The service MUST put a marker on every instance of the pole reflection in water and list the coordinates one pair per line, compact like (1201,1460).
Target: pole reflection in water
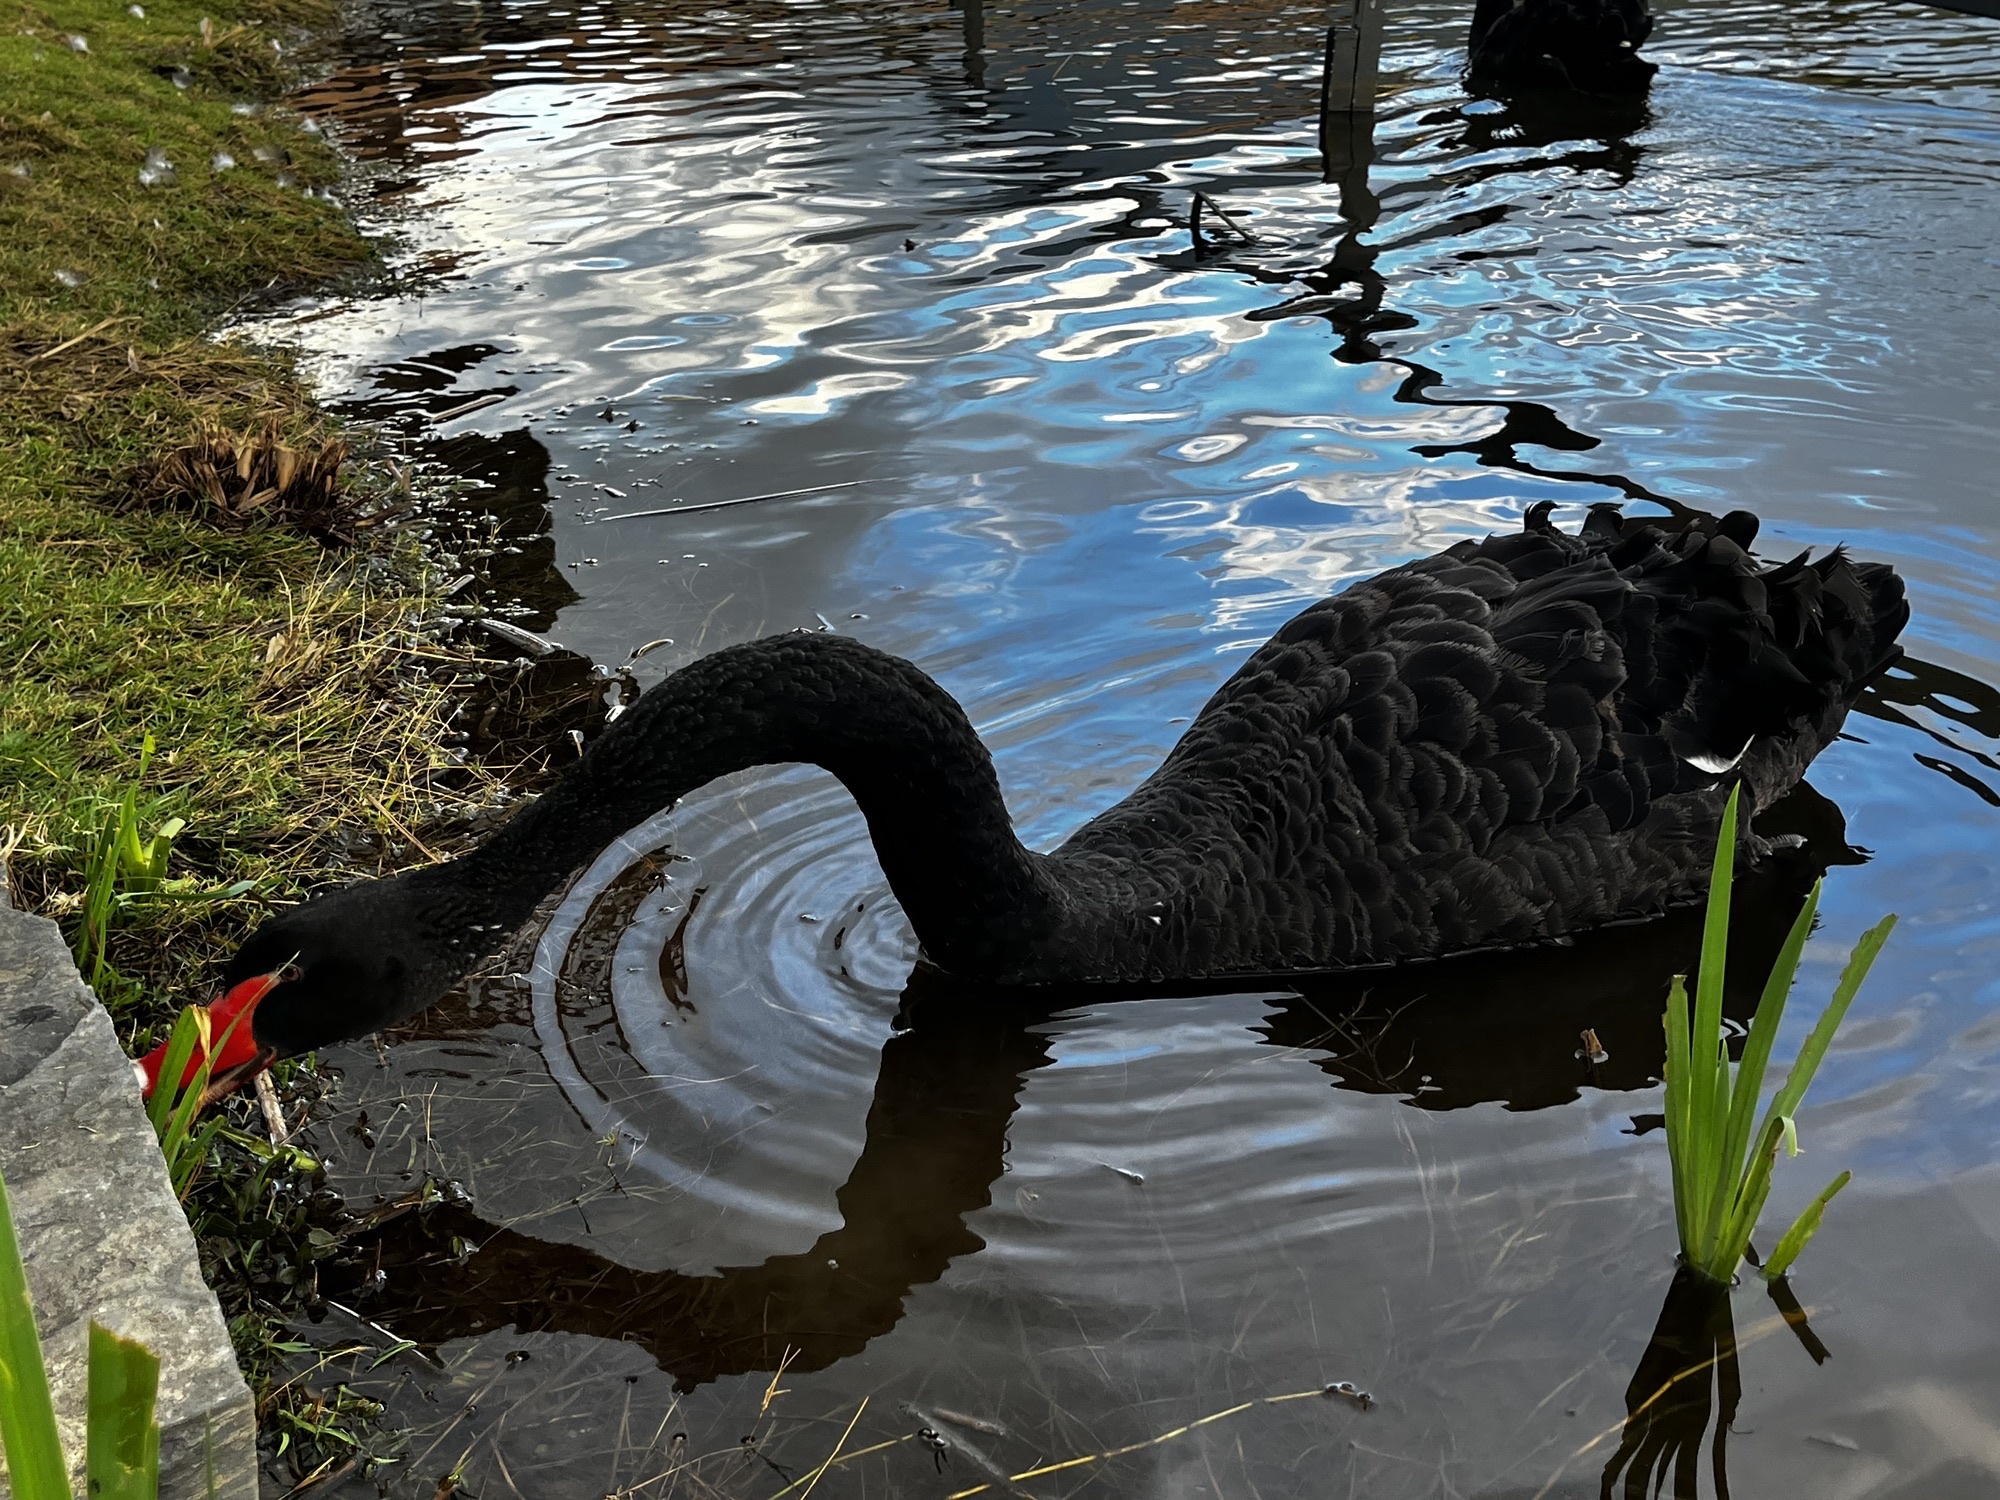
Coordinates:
(972,13)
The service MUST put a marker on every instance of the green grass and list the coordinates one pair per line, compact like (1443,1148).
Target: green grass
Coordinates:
(163,259)
(279,680)
(1721,1168)
(175,1106)
(122,1439)
(274,675)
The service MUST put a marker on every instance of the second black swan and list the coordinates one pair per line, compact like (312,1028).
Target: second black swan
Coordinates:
(1511,742)
(1567,46)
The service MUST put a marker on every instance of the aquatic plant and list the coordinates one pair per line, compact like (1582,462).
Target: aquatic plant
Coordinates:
(1721,1169)
(122,1439)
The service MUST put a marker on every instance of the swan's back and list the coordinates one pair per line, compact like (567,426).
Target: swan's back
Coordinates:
(1508,742)
(1587,46)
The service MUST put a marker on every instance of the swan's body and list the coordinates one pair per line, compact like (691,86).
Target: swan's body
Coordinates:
(1580,46)
(1507,743)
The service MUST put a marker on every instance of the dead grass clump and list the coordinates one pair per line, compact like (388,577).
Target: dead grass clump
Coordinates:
(258,478)
(238,59)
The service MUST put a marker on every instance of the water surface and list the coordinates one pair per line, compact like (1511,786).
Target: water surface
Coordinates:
(1076,466)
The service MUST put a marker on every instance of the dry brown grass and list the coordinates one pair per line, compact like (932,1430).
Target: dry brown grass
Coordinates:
(259,478)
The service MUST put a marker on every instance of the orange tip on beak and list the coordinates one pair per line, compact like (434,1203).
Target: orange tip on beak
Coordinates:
(234,1045)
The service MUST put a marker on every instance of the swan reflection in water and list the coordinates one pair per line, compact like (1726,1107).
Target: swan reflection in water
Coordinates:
(1505,1028)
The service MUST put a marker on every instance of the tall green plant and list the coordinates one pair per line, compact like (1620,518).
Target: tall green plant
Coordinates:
(122,1439)
(1721,1169)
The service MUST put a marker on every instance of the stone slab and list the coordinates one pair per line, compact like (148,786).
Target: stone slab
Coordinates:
(101,1231)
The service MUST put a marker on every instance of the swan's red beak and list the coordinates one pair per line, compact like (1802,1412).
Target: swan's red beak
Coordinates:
(236,1054)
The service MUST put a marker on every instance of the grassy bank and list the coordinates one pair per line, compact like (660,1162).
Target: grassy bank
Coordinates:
(148,187)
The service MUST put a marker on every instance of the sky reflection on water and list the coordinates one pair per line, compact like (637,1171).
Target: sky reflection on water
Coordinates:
(707,253)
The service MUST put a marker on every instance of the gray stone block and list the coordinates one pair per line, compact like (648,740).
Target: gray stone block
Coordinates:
(100,1229)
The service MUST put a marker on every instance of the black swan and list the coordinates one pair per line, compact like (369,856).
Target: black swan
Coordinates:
(1511,742)
(1576,46)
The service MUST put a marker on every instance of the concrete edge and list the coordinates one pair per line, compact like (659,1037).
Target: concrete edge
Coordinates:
(101,1232)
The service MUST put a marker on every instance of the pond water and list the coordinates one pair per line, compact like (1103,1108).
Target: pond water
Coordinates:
(937,270)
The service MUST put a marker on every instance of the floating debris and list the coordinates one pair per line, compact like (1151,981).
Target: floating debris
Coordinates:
(670,510)
(975,1424)
(1125,1172)
(1592,1051)
(1347,1390)
(158,171)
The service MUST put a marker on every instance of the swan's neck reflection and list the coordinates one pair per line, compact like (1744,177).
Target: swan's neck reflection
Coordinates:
(936,1142)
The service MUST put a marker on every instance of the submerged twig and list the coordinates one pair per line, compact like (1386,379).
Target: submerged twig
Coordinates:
(1201,201)
(685,510)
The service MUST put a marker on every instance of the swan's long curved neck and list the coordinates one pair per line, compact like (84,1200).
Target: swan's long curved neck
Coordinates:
(898,742)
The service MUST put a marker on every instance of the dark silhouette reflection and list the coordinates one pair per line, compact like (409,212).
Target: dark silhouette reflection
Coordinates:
(1687,1382)
(1957,699)
(1598,132)
(1688,1386)
(936,1139)
(1349,292)
(972,14)
(1501,1028)
(499,515)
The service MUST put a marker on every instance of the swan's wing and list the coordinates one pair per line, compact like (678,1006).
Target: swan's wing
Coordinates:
(1514,739)
(1690,660)
(1534,676)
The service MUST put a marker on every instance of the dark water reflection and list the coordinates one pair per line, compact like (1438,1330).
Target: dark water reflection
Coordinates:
(685,253)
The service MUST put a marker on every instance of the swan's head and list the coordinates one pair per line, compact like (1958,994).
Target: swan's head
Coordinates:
(339,966)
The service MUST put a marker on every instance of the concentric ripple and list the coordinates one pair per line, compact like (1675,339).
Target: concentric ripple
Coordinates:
(713,993)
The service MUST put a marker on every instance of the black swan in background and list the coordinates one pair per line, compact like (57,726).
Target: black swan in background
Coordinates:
(1511,742)
(1579,46)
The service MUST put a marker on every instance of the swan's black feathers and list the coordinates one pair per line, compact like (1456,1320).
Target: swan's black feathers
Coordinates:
(1583,46)
(1507,743)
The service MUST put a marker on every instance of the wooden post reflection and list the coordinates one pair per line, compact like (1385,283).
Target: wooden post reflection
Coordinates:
(972,13)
